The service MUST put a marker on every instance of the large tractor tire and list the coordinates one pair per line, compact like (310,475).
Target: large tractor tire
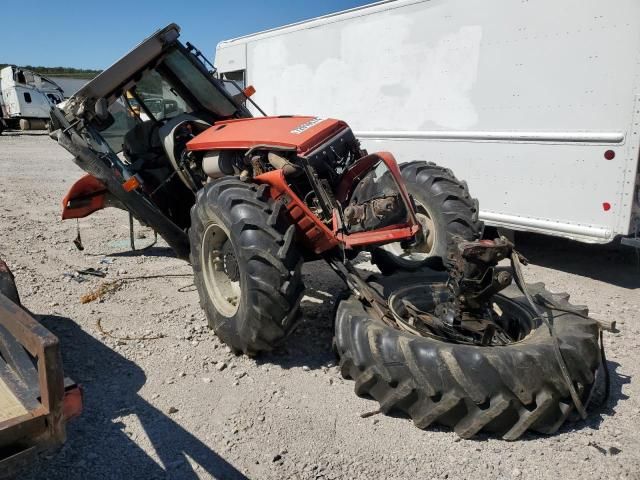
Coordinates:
(507,389)
(444,206)
(246,265)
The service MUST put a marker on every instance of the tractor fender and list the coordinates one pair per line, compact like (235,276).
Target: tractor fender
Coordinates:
(86,195)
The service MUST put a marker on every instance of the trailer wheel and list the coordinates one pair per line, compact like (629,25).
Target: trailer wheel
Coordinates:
(8,284)
(505,389)
(443,206)
(246,265)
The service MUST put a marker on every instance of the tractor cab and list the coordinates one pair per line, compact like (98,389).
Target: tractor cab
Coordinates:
(141,111)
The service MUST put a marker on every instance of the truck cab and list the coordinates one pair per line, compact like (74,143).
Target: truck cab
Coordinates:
(27,98)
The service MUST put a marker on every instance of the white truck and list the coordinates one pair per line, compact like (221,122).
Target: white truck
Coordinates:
(26,99)
(535,103)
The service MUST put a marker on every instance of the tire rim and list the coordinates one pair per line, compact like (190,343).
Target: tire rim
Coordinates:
(511,316)
(223,290)
(423,250)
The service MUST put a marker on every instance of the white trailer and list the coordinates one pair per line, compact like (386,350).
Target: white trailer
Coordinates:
(535,103)
(26,98)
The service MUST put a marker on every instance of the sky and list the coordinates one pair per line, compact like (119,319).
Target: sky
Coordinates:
(93,34)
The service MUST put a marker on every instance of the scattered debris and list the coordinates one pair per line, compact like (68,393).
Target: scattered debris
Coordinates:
(597,447)
(101,291)
(93,271)
(614,450)
(611,450)
(144,337)
(370,414)
(75,276)
(187,288)
(78,240)
(172,410)
(114,285)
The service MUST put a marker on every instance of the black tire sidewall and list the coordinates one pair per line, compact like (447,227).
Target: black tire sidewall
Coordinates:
(268,261)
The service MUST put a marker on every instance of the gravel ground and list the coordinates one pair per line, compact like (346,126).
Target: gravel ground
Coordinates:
(182,406)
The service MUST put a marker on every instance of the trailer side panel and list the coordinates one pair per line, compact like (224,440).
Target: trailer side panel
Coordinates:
(525,100)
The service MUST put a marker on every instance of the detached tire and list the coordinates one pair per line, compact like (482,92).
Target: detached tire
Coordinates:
(444,205)
(505,389)
(246,265)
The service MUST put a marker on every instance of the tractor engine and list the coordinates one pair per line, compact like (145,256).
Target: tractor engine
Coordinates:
(319,160)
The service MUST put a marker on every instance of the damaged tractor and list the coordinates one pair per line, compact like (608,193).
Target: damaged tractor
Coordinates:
(446,334)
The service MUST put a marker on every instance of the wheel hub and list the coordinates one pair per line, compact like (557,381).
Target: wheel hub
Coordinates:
(467,308)
(230,262)
(428,227)
(220,270)
(424,249)
(473,276)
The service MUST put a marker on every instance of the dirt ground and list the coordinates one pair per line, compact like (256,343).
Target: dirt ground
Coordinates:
(182,406)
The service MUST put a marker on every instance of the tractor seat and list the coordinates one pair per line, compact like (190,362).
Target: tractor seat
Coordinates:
(143,148)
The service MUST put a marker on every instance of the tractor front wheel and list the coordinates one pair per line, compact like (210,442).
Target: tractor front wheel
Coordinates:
(246,265)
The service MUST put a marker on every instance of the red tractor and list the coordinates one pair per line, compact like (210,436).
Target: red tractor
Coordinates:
(247,200)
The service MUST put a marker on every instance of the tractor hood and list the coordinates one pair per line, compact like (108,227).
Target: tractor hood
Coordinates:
(302,134)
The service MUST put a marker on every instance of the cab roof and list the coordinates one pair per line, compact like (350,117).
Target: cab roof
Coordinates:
(122,71)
